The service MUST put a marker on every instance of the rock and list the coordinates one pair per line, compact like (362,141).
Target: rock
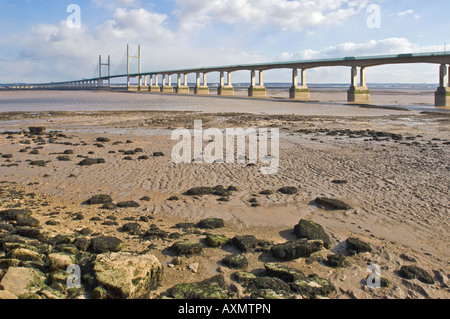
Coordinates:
(63,158)
(337,261)
(109,206)
(269,288)
(155,232)
(105,244)
(332,204)
(103,139)
(356,246)
(23,254)
(91,161)
(285,273)
(6,295)
(19,280)
(128,204)
(173,198)
(246,243)
(290,190)
(37,130)
(37,163)
(27,221)
(310,230)
(296,249)
(211,223)
(312,287)
(30,232)
(235,261)
(213,288)
(158,154)
(82,243)
(194,267)
(415,272)
(14,214)
(99,199)
(131,227)
(187,248)
(126,275)
(244,277)
(214,241)
(266,192)
(59,261)
(200,191)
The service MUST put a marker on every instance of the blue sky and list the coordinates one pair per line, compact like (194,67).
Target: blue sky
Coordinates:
(37,44)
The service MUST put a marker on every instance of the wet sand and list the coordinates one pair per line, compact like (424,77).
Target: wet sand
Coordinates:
(398,189)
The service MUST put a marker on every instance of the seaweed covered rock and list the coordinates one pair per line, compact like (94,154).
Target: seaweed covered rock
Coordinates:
(331,204)
(296,249)
(128,204)
(337,261)
(99,199)
(356,246)
(187,248)
(214,240)
(310,230)
(105,244)
(249,243)
(126,275)
(91,161)
(211,223)
(288,190)
(415,272)
(283,272)
(14,214)
(37,130)
(269,288)
(235,261)
(213,288)
(200,191)
(312,287)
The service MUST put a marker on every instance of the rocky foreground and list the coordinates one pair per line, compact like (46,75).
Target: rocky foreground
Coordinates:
(106,245)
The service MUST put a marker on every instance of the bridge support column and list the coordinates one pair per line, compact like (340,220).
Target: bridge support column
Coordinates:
(154,87)
(358,94)
(442,95)
(225,90)
(297,92)
(167,88)
(254,90)
(202,89)
(182,89)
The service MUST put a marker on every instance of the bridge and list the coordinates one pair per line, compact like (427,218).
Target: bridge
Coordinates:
(358,91)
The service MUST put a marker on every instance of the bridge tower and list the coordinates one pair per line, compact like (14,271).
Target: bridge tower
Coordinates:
(138,57)
(100,65)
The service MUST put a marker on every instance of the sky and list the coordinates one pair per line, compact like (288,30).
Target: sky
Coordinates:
(43,41)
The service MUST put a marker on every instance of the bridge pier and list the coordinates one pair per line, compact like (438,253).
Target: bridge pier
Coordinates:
(182,88)
(297,92)
(167,88)
(154,87)
(358,94)
(225,90)
(201,89)
(254,90)
(442,95)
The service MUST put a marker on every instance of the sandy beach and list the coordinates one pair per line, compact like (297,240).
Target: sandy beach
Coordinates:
(390,165)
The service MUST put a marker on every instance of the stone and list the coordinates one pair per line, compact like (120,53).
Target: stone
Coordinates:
(244,277)
(158,154)
(356,246)
(337,261)
(235,261)
(289,190)
(296,249)
(312,287)
(30,232)
(59,261)
(247,243)
(283,272)
(200,191)
(6,295)
(215,241)
(266,192)
(415,272)
(27,221)
(126,275)
(103,139)
(99,199)
(19,280)
(128,204)
(91,161)
(187,248)
(37,163)
(23,254)
(37,130)
(82,243)
(106,244)
(211,223)
(14,214)
(194,267)
(213,288)
(310,230)
(269,288)
(331,204)
(131,227)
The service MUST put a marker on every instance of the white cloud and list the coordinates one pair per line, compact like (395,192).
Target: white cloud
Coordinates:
(112,4)
(281,14)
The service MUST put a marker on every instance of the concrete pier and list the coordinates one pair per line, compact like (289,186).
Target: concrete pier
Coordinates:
(167,86)
(297,92)
(182,88)
(257,90)
(358,94)
(442,95)
(154,87)
(201,89)
(225,90)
